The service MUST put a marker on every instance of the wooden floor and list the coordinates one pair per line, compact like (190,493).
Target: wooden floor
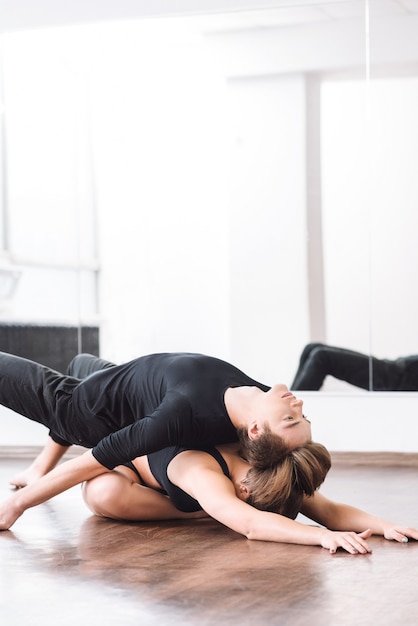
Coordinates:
(59,565)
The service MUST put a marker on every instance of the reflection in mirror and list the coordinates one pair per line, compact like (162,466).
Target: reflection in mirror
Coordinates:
(394,187)
(369,147)
(199,184)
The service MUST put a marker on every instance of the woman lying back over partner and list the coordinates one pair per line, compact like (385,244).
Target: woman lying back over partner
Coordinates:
(253,489)
(121,412)
(153,402)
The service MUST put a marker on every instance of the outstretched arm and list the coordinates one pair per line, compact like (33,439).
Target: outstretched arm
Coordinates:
(216,495)
(342,517)
(63,477)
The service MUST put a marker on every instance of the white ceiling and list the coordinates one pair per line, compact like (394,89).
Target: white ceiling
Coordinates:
(220,15)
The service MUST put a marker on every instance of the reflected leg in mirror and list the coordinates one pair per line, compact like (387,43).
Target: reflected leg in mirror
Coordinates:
(319,361)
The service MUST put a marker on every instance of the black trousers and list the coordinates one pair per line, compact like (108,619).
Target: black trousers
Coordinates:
(367,372)
(45,395)
(83,365)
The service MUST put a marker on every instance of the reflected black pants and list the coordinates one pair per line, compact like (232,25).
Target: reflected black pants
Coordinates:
(319,360)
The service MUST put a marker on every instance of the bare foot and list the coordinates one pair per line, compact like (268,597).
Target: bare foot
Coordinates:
(28,476)
(44,462)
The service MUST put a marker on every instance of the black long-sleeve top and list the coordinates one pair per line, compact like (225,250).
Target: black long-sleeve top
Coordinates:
(154,402)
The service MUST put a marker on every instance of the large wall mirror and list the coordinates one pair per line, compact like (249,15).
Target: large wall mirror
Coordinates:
(236,183)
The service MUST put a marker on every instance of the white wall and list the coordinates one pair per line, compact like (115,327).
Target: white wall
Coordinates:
(369,213)
(268,232)
(180,234)
(162,199)
(364,421)
(361,422)
(208,227)
(20,431)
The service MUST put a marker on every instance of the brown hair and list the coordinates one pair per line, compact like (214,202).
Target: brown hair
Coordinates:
(280,478)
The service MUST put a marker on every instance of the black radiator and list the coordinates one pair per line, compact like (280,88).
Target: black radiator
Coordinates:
(51,345)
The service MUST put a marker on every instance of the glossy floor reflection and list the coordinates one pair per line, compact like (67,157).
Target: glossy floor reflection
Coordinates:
(60,565)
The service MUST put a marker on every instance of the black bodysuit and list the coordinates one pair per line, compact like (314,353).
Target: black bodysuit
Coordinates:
(128,410)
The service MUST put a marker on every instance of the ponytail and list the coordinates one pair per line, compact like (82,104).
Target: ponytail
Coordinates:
(279,479)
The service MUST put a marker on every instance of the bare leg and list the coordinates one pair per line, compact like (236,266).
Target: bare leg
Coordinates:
(44,462)
(117,496)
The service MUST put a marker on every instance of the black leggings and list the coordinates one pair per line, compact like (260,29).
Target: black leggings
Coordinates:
(41,394)
(33,390)
(367,372)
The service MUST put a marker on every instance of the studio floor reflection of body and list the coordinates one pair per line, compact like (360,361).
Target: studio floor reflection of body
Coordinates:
(60,564)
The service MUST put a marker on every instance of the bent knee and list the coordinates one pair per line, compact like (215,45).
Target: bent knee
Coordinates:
(319,352)
(102,493)
(74,365)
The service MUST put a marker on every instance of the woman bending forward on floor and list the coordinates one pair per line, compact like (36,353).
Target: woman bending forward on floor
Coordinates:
(178,483)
